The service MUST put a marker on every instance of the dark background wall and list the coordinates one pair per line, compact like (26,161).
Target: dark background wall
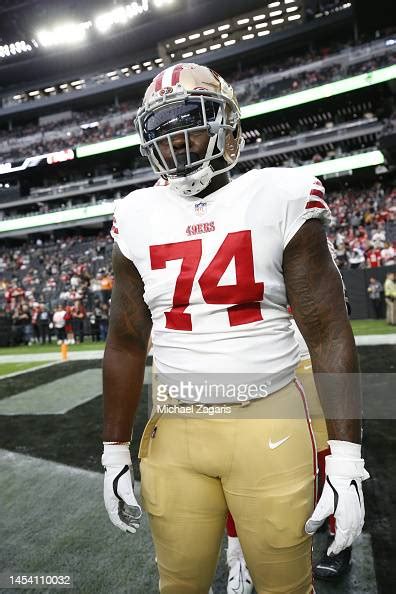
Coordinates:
(356,283)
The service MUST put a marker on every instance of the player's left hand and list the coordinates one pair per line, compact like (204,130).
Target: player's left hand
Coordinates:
(119,497)
(342,495)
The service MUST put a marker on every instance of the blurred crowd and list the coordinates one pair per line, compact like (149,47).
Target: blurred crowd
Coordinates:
(56,291)
(363,229)
(60,290)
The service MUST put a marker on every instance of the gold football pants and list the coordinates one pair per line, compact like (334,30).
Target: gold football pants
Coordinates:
(305,376)
(260,465)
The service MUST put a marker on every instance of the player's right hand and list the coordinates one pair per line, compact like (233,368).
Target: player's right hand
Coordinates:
(119,498)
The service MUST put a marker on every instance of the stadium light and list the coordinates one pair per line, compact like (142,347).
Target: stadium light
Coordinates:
(369,159)
(120,15)
(18,47)
(107,145)
(65,34)
(57,218)
(161,3)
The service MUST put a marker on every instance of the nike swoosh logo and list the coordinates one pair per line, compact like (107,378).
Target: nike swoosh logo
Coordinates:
(276,444)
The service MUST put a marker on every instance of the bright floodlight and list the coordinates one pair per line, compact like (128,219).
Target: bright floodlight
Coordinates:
(161,3)
(120,15)
(68,33)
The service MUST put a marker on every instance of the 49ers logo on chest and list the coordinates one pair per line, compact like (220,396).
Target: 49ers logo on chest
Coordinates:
(200,228)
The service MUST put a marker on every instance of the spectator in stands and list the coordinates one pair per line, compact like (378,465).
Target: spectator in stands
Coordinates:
(58,319)
(78,316)
(26,317)
(106,286)
(374,291)
(43,322)
(355,258)
(378,237)
(388,255)
(35,326)
(373,257)
(390,298)
(69,325)
(94,320)
(94,289)
(104,321)
(20,323)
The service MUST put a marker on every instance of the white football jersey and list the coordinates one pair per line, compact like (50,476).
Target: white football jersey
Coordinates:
(302,345)
(212,271)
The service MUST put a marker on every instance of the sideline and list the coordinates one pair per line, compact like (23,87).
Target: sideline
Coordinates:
(363,340)
(15,373)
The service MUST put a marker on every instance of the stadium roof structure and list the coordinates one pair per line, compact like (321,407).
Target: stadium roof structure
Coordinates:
(21,22)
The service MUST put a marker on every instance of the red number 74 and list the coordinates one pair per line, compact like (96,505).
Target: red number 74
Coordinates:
(246,294)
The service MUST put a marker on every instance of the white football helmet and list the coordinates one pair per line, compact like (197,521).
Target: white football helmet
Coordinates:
(186,99)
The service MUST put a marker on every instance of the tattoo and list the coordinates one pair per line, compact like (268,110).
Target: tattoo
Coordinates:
(316,296)
(126,347)
(130,319)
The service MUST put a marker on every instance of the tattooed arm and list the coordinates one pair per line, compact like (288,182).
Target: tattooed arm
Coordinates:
(126,349)
(315,293)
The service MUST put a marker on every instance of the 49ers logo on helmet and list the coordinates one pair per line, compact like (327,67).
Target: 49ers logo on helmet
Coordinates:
(166,91)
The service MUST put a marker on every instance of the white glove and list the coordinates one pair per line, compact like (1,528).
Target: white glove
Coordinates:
(120,501)
(342,495)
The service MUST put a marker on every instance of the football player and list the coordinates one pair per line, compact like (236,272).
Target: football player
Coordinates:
(209,264)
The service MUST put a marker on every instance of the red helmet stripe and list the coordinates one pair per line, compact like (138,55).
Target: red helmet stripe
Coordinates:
(158,81)
(176,74)
(315,204)
(317,192)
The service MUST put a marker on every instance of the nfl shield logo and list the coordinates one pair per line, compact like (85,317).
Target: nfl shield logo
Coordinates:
(200,208)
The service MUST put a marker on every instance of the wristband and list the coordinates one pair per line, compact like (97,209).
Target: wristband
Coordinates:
(116,455)
(345,449)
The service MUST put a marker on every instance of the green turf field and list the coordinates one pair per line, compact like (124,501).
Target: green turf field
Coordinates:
(364,327)
(360,327)
(51,348)
(6,368)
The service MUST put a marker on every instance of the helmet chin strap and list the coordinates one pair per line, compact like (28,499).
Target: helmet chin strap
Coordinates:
(193,183)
